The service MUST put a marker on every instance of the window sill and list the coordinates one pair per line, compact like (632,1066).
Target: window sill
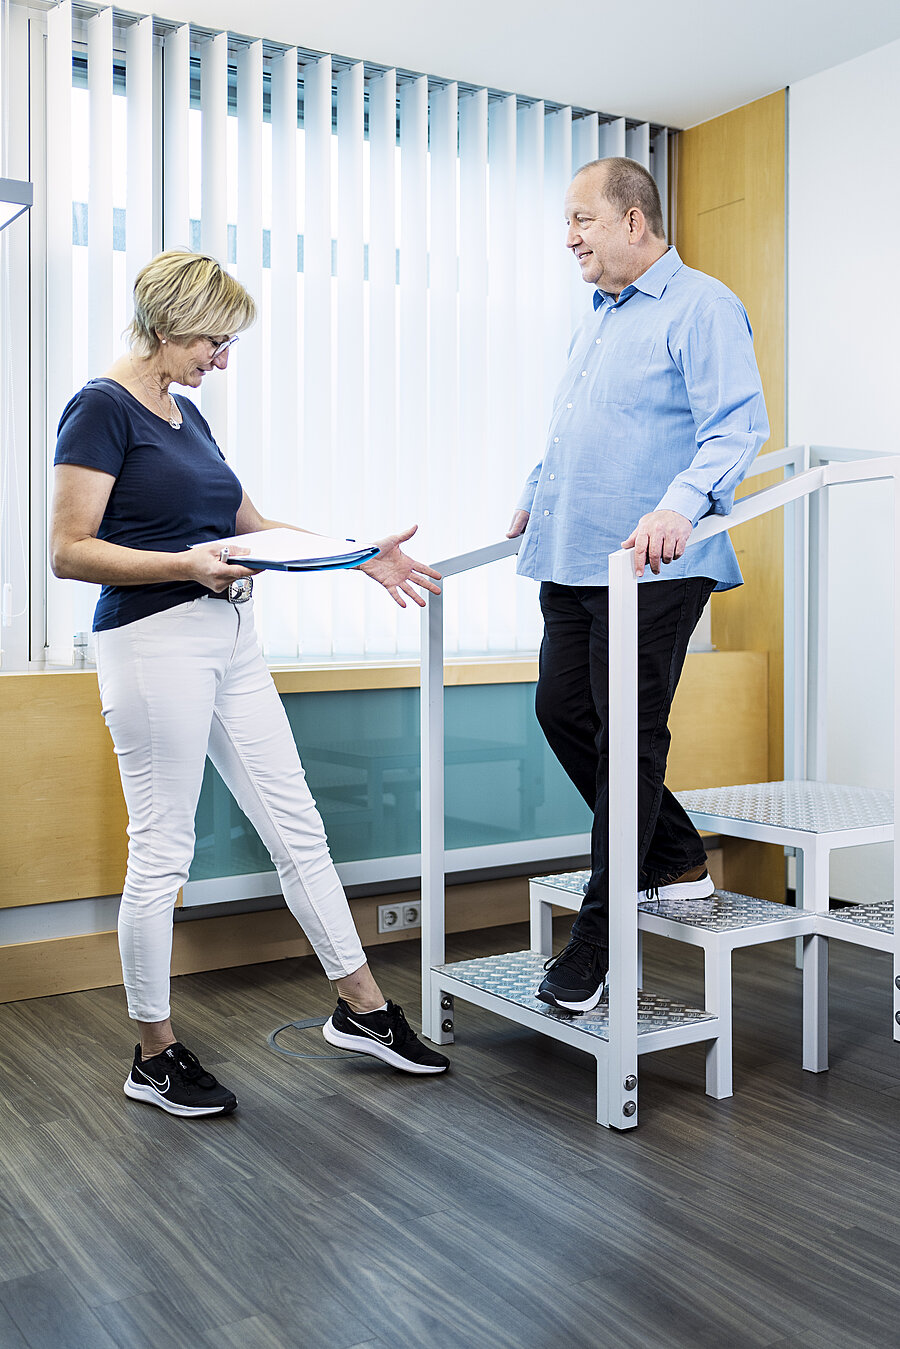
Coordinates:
(336,675)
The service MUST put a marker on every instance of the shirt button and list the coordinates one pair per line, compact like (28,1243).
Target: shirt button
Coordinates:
(546,512)
(556,440)
(568,405)
(552,476)
(599,340)
(583,373)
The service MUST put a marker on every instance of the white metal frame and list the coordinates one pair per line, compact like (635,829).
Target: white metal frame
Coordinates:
(718,945)
(805,742)
(617,1056)
(813,851)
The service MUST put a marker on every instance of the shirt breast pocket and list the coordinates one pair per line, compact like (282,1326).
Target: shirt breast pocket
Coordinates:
(620,376)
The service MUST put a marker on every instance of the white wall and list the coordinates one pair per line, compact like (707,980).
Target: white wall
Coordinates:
(843,362)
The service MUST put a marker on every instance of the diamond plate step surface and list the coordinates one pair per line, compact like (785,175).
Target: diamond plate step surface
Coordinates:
(573,881)
(878,916)
(724,911)
(814,807)
(515,977)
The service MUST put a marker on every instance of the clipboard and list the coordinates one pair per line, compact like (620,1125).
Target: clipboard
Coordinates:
(293,550)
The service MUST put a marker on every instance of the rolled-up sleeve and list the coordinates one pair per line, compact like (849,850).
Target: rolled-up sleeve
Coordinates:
(526,499)
(715,355)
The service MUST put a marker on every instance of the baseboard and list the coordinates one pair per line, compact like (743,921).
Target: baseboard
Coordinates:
(73,964)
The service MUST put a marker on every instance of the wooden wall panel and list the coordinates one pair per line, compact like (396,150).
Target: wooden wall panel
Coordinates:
(730,222)
(719,721)
(64,816)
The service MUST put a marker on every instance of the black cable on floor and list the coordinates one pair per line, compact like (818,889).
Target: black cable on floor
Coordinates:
(272,1042)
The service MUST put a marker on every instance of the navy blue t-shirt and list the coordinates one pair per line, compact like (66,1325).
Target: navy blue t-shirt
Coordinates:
(172,489)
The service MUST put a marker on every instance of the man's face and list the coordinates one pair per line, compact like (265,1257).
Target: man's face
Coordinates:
(597,235)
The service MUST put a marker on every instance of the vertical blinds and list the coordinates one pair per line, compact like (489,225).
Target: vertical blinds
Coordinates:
(404,240)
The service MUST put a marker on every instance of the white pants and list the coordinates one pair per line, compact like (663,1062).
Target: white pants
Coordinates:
(175,687)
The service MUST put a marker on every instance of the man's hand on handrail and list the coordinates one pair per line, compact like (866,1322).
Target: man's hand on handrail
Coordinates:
(658,537)
(517,524)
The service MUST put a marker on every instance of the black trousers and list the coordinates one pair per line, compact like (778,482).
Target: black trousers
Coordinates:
(572,705)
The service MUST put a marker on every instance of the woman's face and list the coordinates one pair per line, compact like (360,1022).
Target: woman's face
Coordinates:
(186,361)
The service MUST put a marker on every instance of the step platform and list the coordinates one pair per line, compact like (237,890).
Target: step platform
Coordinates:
(801,805)
(813,818)
(869,925)
(749,920)
(515,977)
(506,985)
(719,926)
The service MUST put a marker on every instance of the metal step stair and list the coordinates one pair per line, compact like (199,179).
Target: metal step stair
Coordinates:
(718,925)
(506,985)
(781,808)
(813,818)
(809,815)
(869,925)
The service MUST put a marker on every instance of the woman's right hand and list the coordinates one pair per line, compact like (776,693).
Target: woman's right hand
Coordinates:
(204,564)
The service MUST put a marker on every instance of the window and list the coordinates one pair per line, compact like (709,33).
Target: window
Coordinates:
(403,237)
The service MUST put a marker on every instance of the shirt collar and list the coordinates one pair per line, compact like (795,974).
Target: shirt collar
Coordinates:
(652,282)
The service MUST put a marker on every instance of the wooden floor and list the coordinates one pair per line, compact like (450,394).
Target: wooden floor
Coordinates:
(348,1205)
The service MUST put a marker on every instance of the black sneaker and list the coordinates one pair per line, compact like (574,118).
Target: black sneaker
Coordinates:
(386,1035)
(576,978)
(177,1082)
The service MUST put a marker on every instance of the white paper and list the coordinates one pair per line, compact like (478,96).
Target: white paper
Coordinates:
(290,545)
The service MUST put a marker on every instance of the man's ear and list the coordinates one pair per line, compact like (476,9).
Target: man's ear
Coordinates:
(637,225)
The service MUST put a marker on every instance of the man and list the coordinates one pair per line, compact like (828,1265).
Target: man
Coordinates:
(658,416)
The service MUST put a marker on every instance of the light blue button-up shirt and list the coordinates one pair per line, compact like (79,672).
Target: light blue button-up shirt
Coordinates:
(660,408)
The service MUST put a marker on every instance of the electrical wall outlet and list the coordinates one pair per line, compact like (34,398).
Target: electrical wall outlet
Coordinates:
(391,917)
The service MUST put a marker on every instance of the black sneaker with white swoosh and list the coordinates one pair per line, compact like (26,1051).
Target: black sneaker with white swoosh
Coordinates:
(386,1035)
(177,1082)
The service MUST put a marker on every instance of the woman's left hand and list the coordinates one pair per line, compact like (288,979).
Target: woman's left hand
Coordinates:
(398,573)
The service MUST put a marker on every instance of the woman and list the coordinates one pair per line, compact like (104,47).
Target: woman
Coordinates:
(141,489)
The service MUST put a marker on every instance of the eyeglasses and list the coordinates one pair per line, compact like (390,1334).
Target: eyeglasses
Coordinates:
(221,346)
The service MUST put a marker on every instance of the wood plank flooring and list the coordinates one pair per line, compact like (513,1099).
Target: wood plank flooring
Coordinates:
(345,1206)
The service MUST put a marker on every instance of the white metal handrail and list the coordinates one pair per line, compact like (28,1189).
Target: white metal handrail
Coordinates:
(431,730)
(623,880)
(622,1055)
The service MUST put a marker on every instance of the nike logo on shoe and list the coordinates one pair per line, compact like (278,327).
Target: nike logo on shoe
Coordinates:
(385,1039)
(160,1086)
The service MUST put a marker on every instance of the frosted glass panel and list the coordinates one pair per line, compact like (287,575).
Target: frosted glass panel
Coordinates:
(361,754)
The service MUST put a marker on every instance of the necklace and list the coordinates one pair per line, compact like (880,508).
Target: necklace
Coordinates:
(171,412)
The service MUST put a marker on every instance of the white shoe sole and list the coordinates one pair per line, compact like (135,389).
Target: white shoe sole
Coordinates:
(137,1092)
(702,889)
(359,1044)
(588,1006)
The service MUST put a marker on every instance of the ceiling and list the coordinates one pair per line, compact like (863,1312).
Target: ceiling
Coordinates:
(653,60)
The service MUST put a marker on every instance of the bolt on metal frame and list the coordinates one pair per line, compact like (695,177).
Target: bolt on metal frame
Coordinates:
(615,1044)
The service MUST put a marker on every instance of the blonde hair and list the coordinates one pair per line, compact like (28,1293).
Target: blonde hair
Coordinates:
(181,295)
